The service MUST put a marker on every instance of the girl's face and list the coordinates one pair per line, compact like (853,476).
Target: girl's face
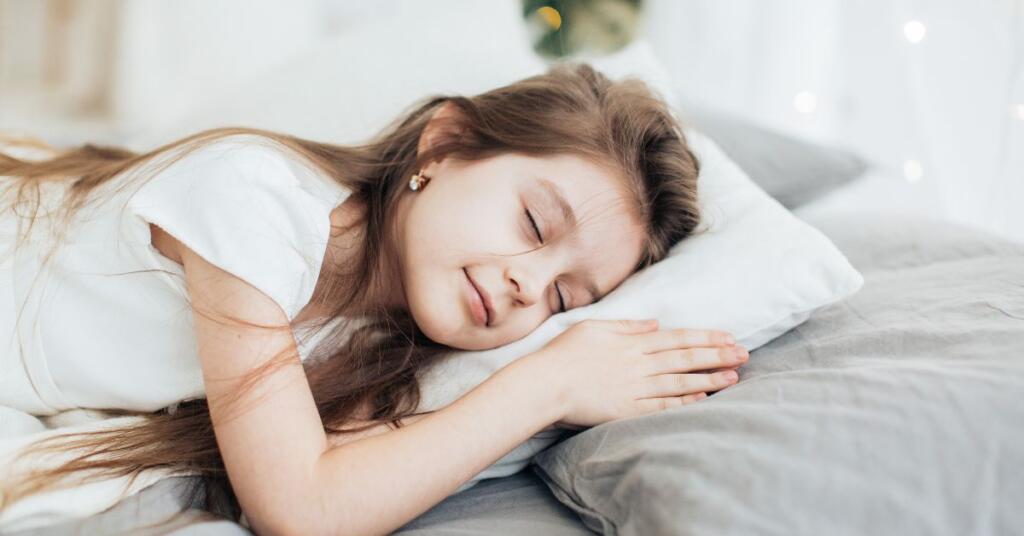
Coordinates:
(471,226)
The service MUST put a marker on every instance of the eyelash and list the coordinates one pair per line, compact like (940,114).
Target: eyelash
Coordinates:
(561,302)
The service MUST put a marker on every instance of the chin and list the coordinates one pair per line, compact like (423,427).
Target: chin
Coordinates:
(450,331)
(438,325)
(451,326)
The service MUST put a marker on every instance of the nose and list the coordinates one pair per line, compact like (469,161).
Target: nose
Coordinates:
(527,288)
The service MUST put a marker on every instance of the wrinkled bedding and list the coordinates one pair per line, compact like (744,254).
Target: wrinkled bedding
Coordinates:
(894,411)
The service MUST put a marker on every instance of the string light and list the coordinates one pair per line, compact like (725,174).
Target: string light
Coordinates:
(914,31)
(805,102)
(912,170)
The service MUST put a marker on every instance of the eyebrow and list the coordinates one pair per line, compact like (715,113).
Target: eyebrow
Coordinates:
(555,192)
(569,219)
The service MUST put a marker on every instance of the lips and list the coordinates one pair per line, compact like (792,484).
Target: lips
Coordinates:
(484,301)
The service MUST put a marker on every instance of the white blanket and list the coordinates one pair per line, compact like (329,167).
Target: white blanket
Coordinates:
(17,429)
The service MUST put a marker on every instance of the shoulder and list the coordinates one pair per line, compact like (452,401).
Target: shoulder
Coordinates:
(237,203)
(247,157)
(236,185)
(218,288)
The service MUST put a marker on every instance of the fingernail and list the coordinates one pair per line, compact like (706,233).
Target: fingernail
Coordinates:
(730,375)
(742,353)
(729,339)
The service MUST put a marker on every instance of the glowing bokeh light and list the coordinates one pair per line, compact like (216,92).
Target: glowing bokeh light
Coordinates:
(914,31)
(805,102)
(913,170)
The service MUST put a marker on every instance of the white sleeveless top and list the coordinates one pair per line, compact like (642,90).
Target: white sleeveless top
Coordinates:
(106,323)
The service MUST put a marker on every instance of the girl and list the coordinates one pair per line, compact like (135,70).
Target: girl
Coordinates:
(266,301)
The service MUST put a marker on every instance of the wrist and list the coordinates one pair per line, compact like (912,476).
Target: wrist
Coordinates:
(541,383)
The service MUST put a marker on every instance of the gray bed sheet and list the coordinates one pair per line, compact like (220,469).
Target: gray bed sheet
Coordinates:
(892,309)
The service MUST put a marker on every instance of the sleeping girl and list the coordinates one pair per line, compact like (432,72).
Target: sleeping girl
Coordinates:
(185,285)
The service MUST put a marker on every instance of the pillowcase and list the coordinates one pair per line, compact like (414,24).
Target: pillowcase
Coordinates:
(896,411)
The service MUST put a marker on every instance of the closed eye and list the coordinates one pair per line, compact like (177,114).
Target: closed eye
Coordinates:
(561,302)
(534,224)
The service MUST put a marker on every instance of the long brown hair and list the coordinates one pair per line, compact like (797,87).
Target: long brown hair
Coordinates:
(571,109)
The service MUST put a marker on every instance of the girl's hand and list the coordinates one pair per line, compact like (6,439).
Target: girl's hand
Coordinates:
(614,369)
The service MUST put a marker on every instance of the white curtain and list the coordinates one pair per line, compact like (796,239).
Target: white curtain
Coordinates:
(931,90)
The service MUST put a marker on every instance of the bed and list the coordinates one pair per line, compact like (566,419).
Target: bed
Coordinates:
(894,410)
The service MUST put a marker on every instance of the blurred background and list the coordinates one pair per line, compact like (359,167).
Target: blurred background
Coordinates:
(929,92)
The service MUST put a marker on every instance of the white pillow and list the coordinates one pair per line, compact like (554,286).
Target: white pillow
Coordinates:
(755,270)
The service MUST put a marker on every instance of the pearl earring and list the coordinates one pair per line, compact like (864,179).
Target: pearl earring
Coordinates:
(418,181)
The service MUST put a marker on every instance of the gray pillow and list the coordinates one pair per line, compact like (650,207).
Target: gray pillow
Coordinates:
(791,170)
(895,411)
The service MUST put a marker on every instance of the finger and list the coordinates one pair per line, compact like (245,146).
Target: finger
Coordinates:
(719,369)
(729,386)
(725,388)
(691,359)
(650,405)
(683,384)
(632,326)
(671,339)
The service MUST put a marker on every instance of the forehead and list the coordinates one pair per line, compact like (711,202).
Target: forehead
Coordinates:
(607,240)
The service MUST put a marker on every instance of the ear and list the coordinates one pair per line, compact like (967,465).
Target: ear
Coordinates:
(442,123)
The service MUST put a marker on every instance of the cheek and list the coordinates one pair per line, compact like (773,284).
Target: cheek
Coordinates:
(462,236)
(456,228)
(448,222)
(526,321)
(434,304)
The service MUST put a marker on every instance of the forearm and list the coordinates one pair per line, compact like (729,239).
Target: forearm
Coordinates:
(377,484)
(337,439)
(272,440)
